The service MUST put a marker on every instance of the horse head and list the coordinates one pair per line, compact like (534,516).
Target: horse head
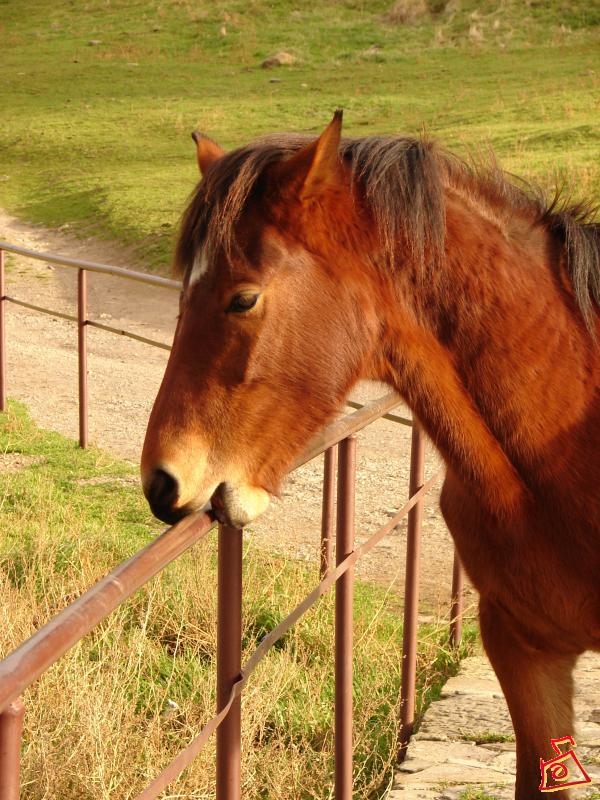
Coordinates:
(271,336)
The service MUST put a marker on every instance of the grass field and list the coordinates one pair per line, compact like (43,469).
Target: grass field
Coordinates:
(99,97)
(101,723)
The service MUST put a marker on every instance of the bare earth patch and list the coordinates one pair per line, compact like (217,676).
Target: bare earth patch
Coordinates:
(13,462)
(124,377)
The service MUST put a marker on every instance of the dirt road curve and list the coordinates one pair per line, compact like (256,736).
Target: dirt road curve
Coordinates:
(124,377)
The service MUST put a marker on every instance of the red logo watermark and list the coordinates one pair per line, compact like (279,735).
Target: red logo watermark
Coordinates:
(564,770)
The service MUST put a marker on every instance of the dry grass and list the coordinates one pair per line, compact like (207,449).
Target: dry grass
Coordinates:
(117,707)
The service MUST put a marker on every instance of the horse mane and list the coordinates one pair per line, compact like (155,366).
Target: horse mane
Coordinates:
(402,181)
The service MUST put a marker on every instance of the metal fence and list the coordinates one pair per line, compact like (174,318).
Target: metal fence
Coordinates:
(338,442)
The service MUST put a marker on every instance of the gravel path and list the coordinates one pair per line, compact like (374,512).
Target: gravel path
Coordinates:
(123,380)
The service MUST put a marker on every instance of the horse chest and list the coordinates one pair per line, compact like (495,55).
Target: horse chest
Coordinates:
(543,570)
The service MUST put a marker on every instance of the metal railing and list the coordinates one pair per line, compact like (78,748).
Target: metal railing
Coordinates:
(22,667)
(82,320)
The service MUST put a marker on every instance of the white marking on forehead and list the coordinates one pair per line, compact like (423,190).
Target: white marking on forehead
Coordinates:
(199,267)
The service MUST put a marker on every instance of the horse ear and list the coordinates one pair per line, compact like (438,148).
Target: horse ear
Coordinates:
(325,160)
(314,167)
(207,151)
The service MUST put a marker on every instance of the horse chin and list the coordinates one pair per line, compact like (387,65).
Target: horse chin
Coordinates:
(237,505)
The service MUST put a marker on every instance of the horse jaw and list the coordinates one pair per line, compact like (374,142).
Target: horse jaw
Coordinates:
(237,505)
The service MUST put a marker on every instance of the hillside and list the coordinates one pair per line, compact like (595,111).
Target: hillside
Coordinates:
(100,97)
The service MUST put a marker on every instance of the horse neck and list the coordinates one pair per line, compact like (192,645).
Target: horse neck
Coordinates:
(490,351)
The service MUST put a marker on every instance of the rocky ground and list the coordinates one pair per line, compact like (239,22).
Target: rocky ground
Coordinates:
(465,745)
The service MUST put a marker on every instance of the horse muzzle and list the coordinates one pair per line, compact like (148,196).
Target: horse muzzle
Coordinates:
(162,490)
(232,504)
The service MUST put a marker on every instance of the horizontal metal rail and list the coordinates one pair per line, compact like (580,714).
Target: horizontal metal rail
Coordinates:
(40,309)
(91,266)
(90,322)
(25,664)
(127,334)
(352,423)
(389,417)
(184,533)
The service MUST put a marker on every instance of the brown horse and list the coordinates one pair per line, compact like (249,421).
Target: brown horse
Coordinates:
(310,264)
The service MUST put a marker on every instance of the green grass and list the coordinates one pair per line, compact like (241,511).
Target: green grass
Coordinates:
(476,793)
(101,722)
(487,737)
(100,97)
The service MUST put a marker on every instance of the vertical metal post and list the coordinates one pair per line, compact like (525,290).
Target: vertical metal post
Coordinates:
(82,356)
(411,593)
(229,659)
(11,729)
(344,590)
(2,337)
(327,510)
(456,607)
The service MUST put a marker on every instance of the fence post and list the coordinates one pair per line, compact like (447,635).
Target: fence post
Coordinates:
(344,590)
(11,729)
(2,337)
(327,510)
(82,355)
(229,658)
(456,607)
(411,593)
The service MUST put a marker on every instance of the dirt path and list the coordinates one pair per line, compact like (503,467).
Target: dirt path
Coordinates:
(123,380)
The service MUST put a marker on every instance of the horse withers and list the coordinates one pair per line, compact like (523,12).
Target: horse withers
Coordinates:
(309,264)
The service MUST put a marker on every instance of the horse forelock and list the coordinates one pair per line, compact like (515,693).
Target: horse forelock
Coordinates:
(402,182)
(220,199)
(399,179)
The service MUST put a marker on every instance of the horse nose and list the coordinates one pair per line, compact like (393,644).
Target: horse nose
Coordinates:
(162,491)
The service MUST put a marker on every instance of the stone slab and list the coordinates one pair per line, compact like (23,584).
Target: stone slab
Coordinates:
(466,717)
(441,763)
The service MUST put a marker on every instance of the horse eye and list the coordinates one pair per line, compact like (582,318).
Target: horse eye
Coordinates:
(242,302)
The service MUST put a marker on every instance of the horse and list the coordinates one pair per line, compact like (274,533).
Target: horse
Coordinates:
(310,263)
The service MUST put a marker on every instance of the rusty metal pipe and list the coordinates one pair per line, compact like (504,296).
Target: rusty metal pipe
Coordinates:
(390,417)
(229,662)
(82,356)
(42,309)
(133,336)
(343,621)
(328,510)
(411,593)
(92,266)
(11,731)
(352,423)
(19,669)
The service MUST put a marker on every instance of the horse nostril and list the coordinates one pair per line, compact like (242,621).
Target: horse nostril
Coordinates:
(163,488)
(162,492)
